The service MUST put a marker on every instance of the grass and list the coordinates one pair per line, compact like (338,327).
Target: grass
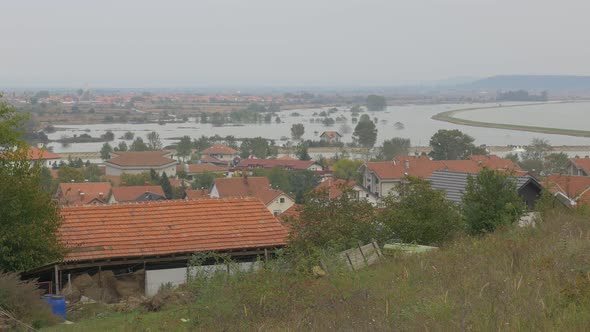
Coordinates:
(449,116)
(514,279)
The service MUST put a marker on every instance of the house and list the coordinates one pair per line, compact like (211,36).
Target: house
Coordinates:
(158,239)
(137,194)
(140,162)
(454,185)
(219,154)
(36,156)
(575,188)
(330,137)
(335,187)
(579,166)
(83,193)
(288,164)
(381,177)
(196,169)
(275,200)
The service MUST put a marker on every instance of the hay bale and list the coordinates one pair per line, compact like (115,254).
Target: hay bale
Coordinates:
(126,288)
(105,279)
(99,294)
(83,281)
(72,293)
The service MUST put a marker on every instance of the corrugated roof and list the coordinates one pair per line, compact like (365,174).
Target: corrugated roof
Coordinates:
(454,184)
(168,227)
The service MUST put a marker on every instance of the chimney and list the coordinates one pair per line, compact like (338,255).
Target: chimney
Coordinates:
(479,162)
(101,196)
(407,164)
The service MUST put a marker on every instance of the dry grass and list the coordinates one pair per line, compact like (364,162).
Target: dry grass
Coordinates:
(514,279)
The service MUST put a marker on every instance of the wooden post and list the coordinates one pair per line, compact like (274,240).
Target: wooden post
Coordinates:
(362,253)
(350,262)
(56,270)
(265,255)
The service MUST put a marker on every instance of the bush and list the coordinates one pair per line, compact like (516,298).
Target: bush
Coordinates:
(416,213)
(22,299)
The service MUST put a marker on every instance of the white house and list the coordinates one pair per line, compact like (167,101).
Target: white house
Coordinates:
(140,162)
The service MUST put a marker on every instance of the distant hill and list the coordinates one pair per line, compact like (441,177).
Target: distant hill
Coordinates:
(531,82)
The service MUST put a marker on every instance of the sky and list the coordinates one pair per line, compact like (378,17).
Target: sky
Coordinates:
(132,43)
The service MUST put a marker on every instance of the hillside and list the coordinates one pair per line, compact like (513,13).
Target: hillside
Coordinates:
(531,82)
(514,279)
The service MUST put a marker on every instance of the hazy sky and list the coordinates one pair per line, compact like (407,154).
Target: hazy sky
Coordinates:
(129,43)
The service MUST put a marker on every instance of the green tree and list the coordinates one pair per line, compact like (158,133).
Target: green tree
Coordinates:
(419,214)
(556,163)
(396,146)
(140,179)
(297,131)
(365,132)
(122,147)
(29,217)
(105,151)
(453,145)
(259,147)
(184,147)
(376,103)
(138,145)
(202,143)
(92,173)
(512,156)
(154,141)
(533,158)
(204,180)
(491,200)
(302,153)
(109,136)
(347,169)
(166,186)
(69,174)
(128,135)
(46,180)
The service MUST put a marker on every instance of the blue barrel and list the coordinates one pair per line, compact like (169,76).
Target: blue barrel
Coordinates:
(57,303)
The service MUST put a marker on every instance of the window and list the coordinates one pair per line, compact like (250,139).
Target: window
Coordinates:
(282,200)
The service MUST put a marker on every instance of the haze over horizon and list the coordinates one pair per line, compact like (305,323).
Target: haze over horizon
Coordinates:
(135,43)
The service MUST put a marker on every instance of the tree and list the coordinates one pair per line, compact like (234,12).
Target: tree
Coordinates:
(491,200)
(184,147)
(202,143)
(302,153)
(294,183)
(69,174)
(92,173)
(533,158)
(166,186)
(297,131)
(109,136)
(453,145)
(121,147)
(138,145)
(258,146)
(154,142)
(376,103)
(29,217)
(128,135)
(204,180)
(140,179)
(396,146)
(556,163)
(46,180)
(105,151)
(513,157)
(347,169)
(365,132)
(419,214)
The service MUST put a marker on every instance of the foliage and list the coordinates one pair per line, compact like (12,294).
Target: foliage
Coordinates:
(166,186)
(533,158)
(453,145)
(204,180)
(154,141)
(513,157)
(297,131)
(109,136)
(121,147)
(202,143)
(365,132)
(396,146)
(67,173)
(347,169)
(22,299)
(9,122)
(301,152)
(491,200)
(140,179)
(46,182)
(416,213)
(105,151)
(294,183)
(376,103)
(128,135)
(326,223)
(556,163)
(184,147)
(258,147)
(138,145)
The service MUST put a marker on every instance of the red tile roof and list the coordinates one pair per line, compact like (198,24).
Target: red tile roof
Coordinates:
(258,187)
(197,193)
(423,166)
(41,154)
(575,187)
(77,193)
(144,158)
(201,168)
(330,134)
(219,149)
(270,163)
(168,227)
(335,187)
(583,163)
(132,193)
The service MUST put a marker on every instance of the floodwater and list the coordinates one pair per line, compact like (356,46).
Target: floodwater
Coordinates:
(416,119)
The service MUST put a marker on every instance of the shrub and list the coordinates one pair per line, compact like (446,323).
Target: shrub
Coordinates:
(22,299)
